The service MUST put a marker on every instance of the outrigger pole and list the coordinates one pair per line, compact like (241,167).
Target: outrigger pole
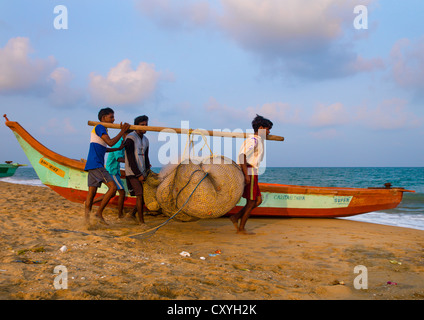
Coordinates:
(185,131)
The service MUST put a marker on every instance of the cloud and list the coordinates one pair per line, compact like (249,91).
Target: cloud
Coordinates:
(360,64)
(329,116)
(326,134)
(276,111)
(63,95)
(328,121)
(390,114)
(123,85)
(24,75)
(19,72)
(232,115)
(325,120)
(58,126)
(407,59)
(280,26)
(187,14)
(309,39)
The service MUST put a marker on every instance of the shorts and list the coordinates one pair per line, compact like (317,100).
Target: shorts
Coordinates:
(98,176)
(117,179)
(251,190)
(135,187)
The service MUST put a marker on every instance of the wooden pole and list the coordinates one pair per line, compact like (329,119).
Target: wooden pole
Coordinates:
(185,131)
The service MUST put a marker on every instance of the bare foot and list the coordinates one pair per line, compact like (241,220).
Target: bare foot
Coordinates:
(245,232)
(130,217)
(234,221)
(100,220)
(140,219)
(144,226)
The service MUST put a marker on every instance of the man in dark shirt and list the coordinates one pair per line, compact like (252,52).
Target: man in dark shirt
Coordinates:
(137,164)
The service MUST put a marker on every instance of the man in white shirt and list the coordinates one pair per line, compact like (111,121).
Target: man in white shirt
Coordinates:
(250,156)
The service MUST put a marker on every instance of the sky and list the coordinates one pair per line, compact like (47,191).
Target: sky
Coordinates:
(341,80)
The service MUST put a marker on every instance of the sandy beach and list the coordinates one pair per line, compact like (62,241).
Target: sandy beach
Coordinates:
(289,259)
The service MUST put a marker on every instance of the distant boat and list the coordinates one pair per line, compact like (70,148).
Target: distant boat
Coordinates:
(8,168)
(67,177)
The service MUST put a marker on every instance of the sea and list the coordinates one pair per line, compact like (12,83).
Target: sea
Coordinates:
(409,213)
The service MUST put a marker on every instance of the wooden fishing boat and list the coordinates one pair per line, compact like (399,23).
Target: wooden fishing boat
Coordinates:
(67,177)
(8,168)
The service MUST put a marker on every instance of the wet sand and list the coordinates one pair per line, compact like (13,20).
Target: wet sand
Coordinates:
(300,259)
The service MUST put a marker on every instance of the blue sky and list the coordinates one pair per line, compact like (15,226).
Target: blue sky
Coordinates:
(340,96)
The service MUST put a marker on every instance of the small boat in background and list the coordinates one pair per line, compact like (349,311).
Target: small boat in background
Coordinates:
(8,168)
(67,177)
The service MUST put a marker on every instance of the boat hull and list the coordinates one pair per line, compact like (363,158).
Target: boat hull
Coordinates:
(359,204)
(68,178)
(8,169)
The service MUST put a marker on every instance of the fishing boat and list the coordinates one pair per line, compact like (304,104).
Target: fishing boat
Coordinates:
(8,168)
(67,177)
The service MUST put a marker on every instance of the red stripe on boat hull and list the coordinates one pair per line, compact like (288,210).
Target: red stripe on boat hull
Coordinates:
(357,206)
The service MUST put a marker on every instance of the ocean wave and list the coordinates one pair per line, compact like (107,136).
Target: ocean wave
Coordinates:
(30,182)
(413,197)
(404,220)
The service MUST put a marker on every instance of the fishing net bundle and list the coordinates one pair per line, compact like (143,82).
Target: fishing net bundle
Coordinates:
(200,188)
(195,188)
